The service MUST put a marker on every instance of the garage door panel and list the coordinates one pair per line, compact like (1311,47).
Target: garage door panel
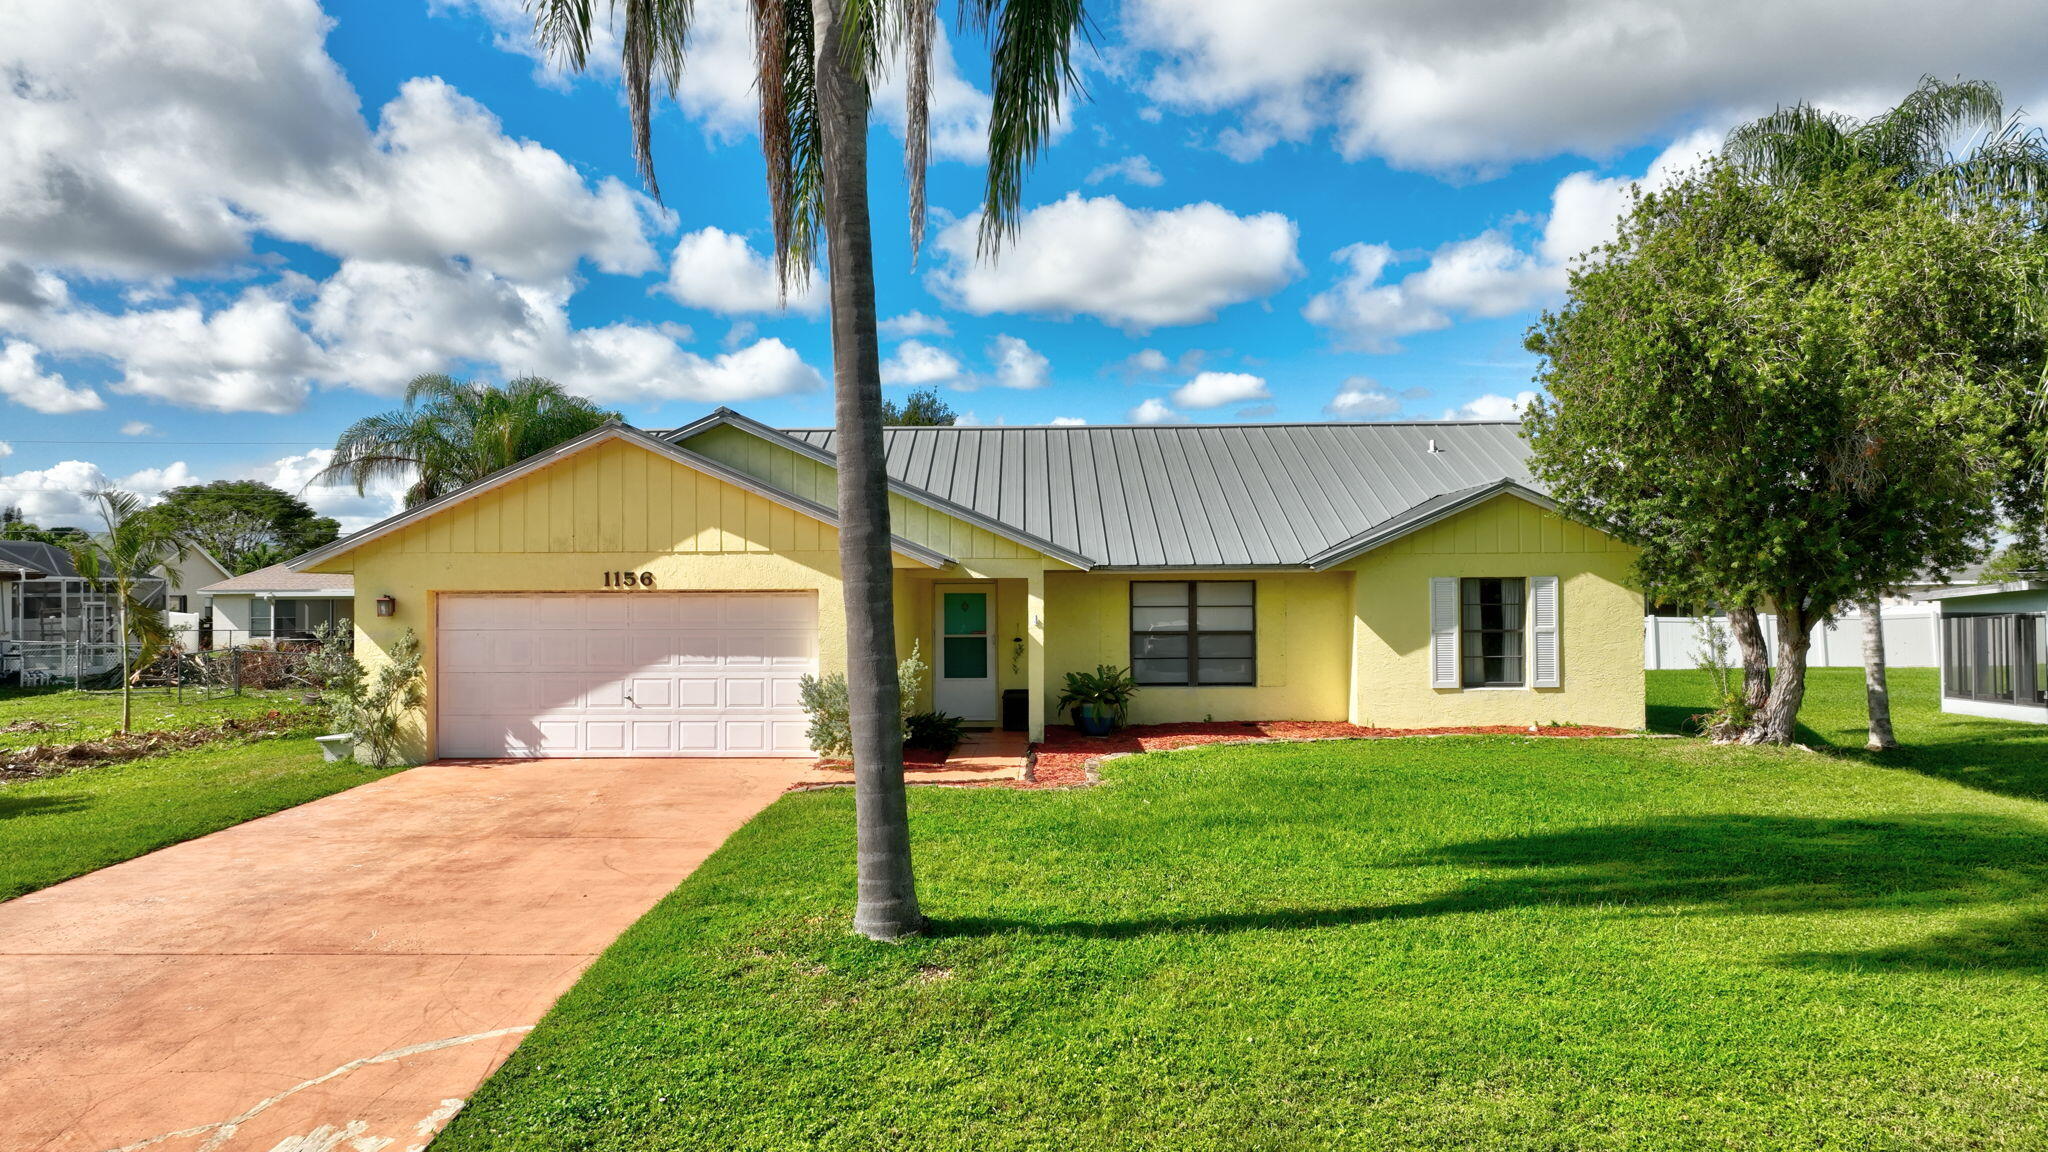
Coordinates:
(555,613)
(654,737)
(790,737)
(608,651)
(654,611)
(624,674)
(745,692)
(653,692)
(746,736)
(607,611)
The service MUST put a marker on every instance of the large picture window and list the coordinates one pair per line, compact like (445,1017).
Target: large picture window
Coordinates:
(1194,632)
(1490,618)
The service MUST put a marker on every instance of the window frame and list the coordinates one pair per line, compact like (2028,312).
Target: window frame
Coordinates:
(1994,657)
(1193,634)
(1467,631)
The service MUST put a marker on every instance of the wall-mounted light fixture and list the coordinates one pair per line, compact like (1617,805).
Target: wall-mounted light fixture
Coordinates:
(386,606)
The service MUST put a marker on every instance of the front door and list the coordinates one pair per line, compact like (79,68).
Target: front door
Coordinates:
(965,683)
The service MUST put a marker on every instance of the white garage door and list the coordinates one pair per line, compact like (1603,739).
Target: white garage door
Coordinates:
(625,674)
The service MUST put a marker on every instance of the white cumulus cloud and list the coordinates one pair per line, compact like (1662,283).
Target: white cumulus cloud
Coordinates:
(720,272)
(1487,275)
(25,384)
(1131,170)
(1135,268)
(1359,398)
(1492,407)
(1481,85)
(1017,364)
(1156,411)
(914,324)
(1215,389)
(917,363)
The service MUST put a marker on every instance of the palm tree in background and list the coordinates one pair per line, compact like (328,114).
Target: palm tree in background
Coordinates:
(1953,140)
(815,60)
(456,432)
(131,550)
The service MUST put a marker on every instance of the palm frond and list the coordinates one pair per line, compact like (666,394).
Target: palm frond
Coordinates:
(920,28)
(790,143)
(1933,121)
(1792,145)
(653,37)
(1031,66)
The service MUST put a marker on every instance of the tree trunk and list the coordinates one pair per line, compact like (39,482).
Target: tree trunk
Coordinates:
(1756,659)
(886,904)
(127,715)
(1778,720)
(1876,693)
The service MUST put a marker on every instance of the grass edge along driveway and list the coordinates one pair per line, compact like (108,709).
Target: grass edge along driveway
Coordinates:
(1457,943)
(64,826)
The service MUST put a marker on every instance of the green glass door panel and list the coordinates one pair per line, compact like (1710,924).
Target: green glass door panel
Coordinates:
(966,658)
(966,613)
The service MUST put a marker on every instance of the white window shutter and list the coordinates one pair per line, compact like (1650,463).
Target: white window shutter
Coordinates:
(1543,632)
(1443,631)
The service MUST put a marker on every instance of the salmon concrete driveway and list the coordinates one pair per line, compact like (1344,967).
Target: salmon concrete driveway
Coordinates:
(343,974)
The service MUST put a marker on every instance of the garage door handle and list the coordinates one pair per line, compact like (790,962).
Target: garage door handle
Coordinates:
(629,698)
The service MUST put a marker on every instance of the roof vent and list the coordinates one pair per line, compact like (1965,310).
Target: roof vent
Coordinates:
(1433,448)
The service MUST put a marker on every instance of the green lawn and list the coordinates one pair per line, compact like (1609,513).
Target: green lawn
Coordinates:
(1462,943)
(82,716)
(57,828)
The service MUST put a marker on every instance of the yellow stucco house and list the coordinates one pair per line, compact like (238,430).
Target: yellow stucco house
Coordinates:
(641,593)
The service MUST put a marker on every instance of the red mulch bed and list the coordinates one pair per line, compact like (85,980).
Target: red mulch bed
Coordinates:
(1064,757)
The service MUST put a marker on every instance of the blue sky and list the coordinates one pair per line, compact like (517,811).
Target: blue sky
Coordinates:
(228,230)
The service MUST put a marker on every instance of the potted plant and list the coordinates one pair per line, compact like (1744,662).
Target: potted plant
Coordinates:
(1099,699)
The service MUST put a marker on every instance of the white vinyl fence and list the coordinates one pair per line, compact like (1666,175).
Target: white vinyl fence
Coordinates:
(1909,640)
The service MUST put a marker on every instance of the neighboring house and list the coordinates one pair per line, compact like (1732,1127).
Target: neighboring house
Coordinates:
(660,593)
(50,615)
(54,603)
(276,603)
(1994,649)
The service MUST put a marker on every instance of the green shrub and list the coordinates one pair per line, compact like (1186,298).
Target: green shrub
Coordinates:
(374,707)
(824,701)
(938,732)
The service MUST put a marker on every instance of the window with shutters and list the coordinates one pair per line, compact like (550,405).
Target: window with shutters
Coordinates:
(1194,632)
(1490,622)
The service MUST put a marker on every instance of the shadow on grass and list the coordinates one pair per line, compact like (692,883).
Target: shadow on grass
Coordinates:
(1735,863)
(12,807)
(2018,944)
(1999,756)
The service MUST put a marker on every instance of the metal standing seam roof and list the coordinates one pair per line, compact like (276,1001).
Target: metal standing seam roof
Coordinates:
(1206,495)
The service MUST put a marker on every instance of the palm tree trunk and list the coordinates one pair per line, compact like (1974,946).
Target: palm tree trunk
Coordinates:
(127,714)
(886,906)
(1876,692)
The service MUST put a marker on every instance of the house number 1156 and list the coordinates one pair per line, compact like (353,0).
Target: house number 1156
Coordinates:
(629,579)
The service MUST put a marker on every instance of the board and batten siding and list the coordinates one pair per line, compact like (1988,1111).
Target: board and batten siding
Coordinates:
(1599,633)
(614,506)
(802,476)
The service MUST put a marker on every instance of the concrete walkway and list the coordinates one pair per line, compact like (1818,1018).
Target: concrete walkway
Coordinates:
(341,975)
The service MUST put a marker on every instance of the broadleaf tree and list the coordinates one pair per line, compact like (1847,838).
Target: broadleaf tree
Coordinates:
(1787,396)
(1956,142)
(244,524)
(816,62)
